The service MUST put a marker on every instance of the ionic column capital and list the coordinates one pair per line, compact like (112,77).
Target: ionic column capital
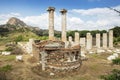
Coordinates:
(50,9)
(63,11)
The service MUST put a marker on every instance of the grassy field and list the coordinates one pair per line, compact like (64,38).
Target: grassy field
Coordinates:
(91,69)
(25,36)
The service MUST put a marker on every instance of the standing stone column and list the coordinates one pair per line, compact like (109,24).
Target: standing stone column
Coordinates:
(82,42)
(104,40)
(51,22)
(98,40)
(89,41)
(63,12)
(77,39)
(111,39)
(30,45)
(70,39)
(43,59)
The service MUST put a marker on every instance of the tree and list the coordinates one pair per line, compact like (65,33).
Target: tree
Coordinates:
(19,38)
(116,31)
(3,31)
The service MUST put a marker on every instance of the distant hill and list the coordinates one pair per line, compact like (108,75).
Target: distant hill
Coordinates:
(17,25)
(16,30)
(16,22)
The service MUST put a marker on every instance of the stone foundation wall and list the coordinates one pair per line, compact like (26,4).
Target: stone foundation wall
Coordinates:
(26,46)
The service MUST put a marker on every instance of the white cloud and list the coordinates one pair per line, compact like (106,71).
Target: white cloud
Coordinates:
(4,17)
(77,19)
(97,18)
(38,21)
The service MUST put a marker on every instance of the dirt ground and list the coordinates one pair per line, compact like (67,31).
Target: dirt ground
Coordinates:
(91,69)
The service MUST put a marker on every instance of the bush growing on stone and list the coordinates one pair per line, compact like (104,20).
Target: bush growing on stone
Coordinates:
(9,49)
(116,61)
(114,75)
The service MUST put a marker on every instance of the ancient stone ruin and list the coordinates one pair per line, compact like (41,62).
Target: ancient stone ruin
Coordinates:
(65,54)
(54,54)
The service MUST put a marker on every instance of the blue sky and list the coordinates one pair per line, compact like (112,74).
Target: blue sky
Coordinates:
(35,7)
(82,14)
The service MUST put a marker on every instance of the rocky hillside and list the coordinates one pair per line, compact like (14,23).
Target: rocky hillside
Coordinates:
(15,24)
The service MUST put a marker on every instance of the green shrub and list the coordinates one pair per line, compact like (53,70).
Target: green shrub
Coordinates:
(43,37)
(3,71)
(9,49)
(116,61)
(118,39)
(6,68)
(19,38)
(114,75)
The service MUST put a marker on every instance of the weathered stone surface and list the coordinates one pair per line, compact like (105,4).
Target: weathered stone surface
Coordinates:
(83,54)
(27,46)
(114,56)
(98,40)
(51,22)
(19,58)
(55,56)
(43,59)
(100,50)
(16,22)
(111,39)
(6,53)
(82,42)
(77,41)
(105,40)
(63,12)
(70,39)
(117,51)
(89,41)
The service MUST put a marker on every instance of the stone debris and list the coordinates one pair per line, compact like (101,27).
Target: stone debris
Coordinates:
(116,55)
(117,51)
(100,51)
(19,58)
(26,46)
(83,54)
(6,53)
(109,51)
(91,52)
(111,57)
(52,74)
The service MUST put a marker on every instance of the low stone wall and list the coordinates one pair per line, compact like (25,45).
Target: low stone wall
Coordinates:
(64,65)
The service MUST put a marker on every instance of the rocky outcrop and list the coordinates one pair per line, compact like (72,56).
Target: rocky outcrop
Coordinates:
(16,22)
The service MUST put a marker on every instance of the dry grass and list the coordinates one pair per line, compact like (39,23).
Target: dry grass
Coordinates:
(92,69)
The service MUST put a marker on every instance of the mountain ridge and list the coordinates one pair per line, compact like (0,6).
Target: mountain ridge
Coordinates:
(15,24)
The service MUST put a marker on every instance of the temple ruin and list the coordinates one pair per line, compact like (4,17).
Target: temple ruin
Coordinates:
(65,54)
(55,54)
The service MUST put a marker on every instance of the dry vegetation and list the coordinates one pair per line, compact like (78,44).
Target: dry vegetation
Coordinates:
(92,69)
